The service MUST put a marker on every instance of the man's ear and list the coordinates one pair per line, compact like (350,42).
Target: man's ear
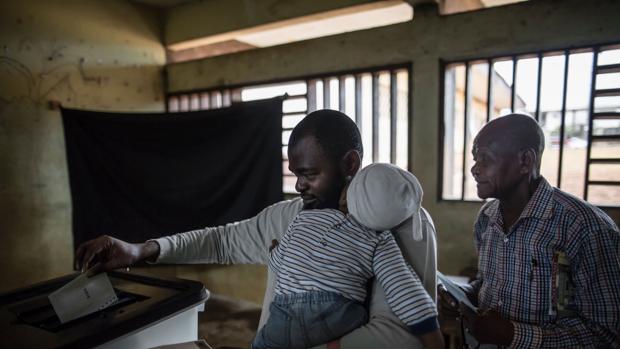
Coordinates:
(528,161)
(351,162)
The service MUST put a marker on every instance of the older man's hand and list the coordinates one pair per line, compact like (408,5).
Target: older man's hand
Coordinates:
(487,327)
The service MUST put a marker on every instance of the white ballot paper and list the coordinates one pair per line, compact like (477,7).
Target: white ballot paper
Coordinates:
(82,296)
(455,290)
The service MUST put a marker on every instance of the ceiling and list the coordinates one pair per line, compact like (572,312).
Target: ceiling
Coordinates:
(162,3)
(173,3)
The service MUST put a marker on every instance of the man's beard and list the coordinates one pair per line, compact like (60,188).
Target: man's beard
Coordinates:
(329,201)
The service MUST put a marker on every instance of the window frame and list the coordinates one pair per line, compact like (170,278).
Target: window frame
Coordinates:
(407,66)
(595,48)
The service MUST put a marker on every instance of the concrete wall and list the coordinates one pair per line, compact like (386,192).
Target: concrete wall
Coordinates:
(429,38)
(102,55)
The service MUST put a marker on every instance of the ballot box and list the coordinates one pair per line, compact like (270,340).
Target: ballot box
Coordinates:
(149,312)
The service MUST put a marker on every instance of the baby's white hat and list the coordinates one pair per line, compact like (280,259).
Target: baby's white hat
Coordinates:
(382,196)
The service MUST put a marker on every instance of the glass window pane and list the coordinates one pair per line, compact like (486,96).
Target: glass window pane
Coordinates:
(576,123)
(606,127)
(184,103)
(454,108)
(173,104)
(606,149)
(605,172)
(526,86)
(611,103)
(604,81)
(606,195)
(288,184)
(285,136)
(235,95)
(216,99)
(501,88)
(194,102)
(334,94)
(290,121)
(575,152)
(384,117)
(319,95)
(402,119)
(226,99)
(367,118)
(294,105)
(285,169)
(476,118)
(269,91)
(349,90)
(204,100)
(552,86)
(609,57)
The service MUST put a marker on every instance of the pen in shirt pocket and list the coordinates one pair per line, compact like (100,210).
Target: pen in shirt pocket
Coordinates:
(534,263)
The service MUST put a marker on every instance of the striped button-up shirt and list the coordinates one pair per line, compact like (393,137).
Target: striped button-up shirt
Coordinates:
(326,250)
(520,271)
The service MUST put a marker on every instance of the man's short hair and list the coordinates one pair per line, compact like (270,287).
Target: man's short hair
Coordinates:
(334,131)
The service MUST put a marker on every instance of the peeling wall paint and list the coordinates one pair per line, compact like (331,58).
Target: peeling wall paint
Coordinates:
(101,55)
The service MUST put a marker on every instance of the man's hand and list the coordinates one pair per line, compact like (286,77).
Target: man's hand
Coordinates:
(487,327)
(108,253)
(447,302)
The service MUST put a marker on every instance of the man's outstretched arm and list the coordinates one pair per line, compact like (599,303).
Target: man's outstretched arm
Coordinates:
(246,242)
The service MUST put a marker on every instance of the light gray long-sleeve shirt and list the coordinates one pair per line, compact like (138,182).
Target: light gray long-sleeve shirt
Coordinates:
(248,241)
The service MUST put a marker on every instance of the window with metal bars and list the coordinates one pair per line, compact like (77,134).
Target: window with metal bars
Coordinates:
(377,99)
(573,93)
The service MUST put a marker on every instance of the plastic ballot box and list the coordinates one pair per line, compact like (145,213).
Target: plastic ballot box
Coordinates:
(149,312)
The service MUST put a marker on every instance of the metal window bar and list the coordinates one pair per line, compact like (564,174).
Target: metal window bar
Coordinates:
(563,116)
(513,88)
(358,101)
(595,53)
(489,89)
(608,68)
(341,93)
(409,147)
(393,115)
(326,94)
(311,94)
(608,92)
(538,83)
(465,123)
(375,116)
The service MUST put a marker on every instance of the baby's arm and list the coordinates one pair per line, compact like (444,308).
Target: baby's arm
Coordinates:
(405,293)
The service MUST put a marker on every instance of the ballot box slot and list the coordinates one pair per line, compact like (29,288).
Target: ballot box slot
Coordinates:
(38,312)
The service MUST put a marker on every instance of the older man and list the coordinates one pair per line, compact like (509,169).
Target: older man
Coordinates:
(549,263)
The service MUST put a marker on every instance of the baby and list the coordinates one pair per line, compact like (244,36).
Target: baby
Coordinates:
(326,258)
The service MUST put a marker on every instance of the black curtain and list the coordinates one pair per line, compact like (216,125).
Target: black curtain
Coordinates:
(141,176)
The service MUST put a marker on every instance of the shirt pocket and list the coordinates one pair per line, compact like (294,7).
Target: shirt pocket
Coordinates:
(540,285)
